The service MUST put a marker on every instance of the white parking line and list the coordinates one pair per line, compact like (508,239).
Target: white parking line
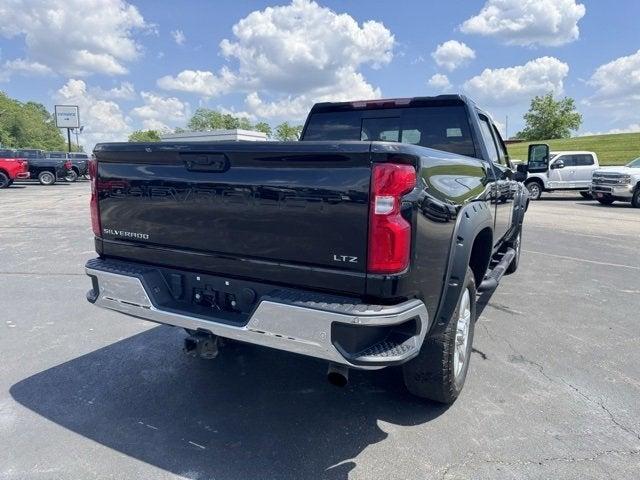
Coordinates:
(584,260)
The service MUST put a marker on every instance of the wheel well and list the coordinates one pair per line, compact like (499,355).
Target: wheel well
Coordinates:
(535,179)
(5,172)
(481,254)
(75,169)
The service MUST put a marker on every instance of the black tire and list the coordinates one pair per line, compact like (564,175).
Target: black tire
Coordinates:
(516,244)
(586,195)
(606,200)
(47,178)
(71,176)
(535,190)
(4,180)
(432,374)
(635,200)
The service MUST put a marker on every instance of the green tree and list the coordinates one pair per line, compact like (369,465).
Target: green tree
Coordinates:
(548,119)
(145,136)
(24,125)
(206,119)
(286,132)
(263,127)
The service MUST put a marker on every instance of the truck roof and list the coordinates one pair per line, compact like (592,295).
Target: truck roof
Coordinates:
(451,99)
(570,152)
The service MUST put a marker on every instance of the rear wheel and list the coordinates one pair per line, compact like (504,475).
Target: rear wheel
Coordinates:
(47,178)
(4,180)
(606,200)
(439,371)
(535,190)
(71,176)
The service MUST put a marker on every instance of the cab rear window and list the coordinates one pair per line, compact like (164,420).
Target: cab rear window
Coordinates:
(443,128)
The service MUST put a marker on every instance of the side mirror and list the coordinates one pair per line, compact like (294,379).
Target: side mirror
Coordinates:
(538,158)
(558,164)
(521,172)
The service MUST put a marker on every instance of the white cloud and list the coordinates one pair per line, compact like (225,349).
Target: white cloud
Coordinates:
(350,86)
(24,67)
(294,55)
(440,82)
(528,22)
(75,37)
(179,37)
(123,92)
(158,110)
(617,83)
(104,120)
(453,54)
(201,82)
(516,85)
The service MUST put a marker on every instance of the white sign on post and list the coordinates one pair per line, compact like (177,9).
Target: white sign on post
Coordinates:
(67,116)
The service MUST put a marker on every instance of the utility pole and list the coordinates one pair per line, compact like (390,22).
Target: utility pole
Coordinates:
(506,127)
(68,138)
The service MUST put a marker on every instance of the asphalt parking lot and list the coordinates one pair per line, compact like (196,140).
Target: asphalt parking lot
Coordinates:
(553,389)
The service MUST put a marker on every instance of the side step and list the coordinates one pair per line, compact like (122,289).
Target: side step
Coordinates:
(492,279)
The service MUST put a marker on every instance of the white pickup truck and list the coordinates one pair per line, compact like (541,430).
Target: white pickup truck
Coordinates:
(562,171)
(617,183)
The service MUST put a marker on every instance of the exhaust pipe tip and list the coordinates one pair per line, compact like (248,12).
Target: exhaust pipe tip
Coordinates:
(338,375)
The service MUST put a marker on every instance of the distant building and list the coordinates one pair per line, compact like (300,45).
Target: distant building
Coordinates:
(235,135)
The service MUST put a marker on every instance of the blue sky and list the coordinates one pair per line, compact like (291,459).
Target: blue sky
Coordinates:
(149,64)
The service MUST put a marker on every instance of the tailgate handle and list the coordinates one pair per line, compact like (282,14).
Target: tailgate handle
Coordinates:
(205,162)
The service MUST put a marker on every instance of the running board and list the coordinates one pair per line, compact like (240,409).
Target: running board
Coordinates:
(493,277)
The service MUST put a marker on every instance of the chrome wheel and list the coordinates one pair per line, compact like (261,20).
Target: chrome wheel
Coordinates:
(47,178)
(534,190)
(462,333)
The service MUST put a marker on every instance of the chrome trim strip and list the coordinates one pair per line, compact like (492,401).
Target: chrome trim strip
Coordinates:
(293,328)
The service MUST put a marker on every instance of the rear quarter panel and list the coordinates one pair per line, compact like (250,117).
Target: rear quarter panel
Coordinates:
(446,185)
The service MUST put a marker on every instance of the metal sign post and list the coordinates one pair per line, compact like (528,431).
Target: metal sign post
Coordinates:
(67,116)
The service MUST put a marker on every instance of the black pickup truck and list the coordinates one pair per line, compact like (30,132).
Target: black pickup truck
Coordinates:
(364,244)
(47,170)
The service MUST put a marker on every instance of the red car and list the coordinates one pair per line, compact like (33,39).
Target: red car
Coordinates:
(12,167)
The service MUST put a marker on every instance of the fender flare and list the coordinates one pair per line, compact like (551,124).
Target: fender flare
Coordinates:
(472,219)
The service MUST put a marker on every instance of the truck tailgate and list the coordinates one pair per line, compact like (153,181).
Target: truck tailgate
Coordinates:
(264,210)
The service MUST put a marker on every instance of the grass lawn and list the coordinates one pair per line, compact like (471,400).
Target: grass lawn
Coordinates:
(615,149)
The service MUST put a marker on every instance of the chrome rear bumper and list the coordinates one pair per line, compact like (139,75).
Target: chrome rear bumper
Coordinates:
(300,327)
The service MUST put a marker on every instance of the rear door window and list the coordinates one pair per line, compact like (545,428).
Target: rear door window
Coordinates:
(584,160)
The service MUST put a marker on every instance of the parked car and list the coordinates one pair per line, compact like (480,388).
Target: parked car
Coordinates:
(45,169)
(364,244)
(617,183)
(562,171)
(12,167)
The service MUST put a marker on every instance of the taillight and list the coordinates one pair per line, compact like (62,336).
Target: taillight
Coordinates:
(93,203)
(389,233)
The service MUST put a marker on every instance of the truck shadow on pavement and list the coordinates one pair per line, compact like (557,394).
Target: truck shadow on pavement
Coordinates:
(250,413)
